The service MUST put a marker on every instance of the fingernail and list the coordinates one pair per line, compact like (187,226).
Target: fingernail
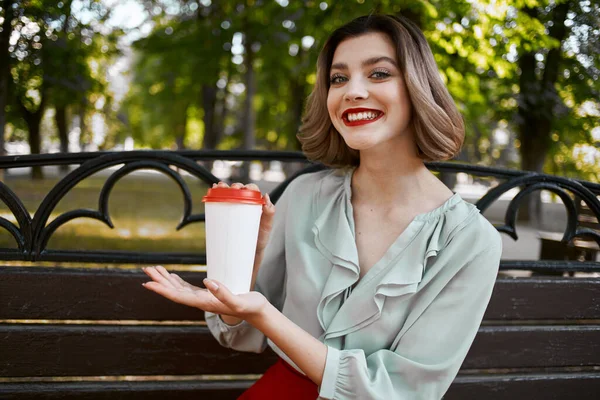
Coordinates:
(214,185)
(210,284)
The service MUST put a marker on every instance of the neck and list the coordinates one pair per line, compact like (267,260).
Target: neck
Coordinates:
(391,175)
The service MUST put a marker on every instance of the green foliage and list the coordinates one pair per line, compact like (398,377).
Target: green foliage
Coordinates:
(194,45)
(58,56)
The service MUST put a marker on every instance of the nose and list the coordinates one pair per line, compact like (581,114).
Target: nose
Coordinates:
(356,90)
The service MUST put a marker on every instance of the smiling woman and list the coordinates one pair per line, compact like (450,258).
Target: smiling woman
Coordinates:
(370,279)
(374,82)
(388,59)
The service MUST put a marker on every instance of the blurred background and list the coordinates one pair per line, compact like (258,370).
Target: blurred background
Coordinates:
(112,75)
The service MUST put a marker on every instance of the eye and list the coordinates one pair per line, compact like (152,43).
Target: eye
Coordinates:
(337,79)
(380,74)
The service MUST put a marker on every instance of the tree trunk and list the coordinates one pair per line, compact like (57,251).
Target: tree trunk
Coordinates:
(83,140)
(533,144)
(4,71)
(298,87)
(60,118)
(538,102)
(221,107)
(249,116)
(249,141)
(180,129)
(209,99)
(63,135)
(219,121)
(475,155)
(33,120)
(61,109)
(534,140)
(558,30)
(179,142)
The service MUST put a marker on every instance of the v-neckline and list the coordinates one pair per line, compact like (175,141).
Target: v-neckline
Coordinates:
(399,244)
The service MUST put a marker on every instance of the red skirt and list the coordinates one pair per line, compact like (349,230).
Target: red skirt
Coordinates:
(281,381)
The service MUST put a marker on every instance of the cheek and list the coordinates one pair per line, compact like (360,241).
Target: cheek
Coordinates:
(401,102)
(405,102)
(331,105)
(406,108)
(333,108)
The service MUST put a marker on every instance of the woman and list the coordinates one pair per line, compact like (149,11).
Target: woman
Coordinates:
(376,276)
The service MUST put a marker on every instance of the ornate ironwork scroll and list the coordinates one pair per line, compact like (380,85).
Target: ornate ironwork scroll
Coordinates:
(33,233)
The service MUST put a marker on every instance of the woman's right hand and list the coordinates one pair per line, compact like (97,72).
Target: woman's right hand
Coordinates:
(266,219)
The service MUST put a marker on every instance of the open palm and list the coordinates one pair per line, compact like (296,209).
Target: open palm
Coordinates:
(217,300)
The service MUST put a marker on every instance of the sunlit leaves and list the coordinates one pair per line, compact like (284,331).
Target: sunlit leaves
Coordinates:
(477,44)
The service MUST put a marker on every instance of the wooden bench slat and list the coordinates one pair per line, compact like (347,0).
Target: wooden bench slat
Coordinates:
(534,346)
(552,386)
(86,350)
(102,294)
(88,294)
(552,298)
(161,390)
(547,386)
(81,350)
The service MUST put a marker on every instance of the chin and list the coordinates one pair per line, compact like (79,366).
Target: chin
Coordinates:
(362,141)
(359,146)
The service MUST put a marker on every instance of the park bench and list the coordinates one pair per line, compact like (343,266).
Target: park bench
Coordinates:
(582,249)
(95,333)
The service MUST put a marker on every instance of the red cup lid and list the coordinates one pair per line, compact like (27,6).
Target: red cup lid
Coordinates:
(232,195)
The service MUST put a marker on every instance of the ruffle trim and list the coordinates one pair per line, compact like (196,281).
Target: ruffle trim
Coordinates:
(340,314)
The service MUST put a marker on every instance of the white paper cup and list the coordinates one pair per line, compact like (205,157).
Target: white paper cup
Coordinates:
(232,222)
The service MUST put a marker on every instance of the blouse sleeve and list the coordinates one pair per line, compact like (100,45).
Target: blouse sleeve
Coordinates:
(429,353)
(270,282)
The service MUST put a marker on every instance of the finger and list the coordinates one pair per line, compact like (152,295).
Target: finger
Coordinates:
(222,294)
(170,277)
(269,207)
(178,296)
(237,185)
(162,270)
(183,283)
(266,219)
(252,186)
(173,278)
(156,276)
(222,184)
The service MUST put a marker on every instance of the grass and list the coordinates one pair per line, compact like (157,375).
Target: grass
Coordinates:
(145,210)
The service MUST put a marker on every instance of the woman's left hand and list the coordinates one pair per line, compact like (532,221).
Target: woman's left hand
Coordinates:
(218,299)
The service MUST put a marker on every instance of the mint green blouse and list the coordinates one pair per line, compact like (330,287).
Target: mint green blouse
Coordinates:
(404,330)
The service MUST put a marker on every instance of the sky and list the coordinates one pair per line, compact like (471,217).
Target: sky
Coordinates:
(127,14)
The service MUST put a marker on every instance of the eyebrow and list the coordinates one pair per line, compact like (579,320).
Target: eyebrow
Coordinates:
(366,63)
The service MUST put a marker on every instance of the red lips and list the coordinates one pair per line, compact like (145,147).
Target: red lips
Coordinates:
(359,122)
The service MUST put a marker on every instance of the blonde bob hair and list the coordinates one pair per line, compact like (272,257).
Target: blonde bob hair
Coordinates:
(437,125)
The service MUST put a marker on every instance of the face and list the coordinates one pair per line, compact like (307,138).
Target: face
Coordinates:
(367,101)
